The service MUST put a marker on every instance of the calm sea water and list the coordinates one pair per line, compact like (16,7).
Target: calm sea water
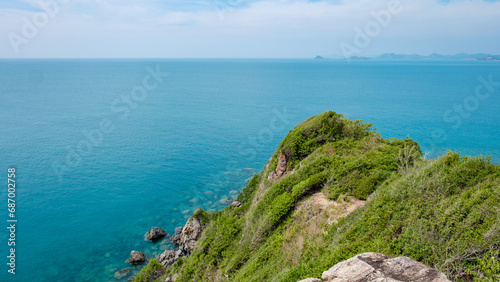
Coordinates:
(190,139)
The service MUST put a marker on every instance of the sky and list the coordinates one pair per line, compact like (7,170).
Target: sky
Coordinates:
(245,28)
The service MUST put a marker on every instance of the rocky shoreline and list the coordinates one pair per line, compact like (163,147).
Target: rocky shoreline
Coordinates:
(184,239)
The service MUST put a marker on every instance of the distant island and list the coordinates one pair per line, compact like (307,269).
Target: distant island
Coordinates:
(433,56)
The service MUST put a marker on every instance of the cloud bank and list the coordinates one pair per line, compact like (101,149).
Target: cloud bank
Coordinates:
(236,28)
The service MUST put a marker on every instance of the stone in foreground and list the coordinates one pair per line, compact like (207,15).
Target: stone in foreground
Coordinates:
(379,267)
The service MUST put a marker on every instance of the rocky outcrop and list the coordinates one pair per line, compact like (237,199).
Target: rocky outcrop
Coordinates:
(311,280)
(185,238)
(280,168)
(167,258)
(155,233)
(190,233)
(136,258)
(374,267)
(235,204)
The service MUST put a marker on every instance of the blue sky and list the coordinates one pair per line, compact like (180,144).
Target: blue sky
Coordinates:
(244,29)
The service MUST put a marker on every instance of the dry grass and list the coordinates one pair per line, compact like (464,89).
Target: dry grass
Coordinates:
(311,218)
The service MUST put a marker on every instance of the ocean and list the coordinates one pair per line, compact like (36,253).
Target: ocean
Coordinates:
(105,149)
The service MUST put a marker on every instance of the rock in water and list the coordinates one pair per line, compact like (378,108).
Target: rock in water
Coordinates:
(120,274)
(225,201)
(155,233)
(379,267)
(136,258)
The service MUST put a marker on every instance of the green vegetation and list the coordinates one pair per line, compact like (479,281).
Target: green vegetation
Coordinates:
(444,212)
(151,272)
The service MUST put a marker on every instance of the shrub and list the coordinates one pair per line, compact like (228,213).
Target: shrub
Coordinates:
(151,272)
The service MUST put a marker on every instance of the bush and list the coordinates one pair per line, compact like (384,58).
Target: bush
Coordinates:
(151,272)
(248,191)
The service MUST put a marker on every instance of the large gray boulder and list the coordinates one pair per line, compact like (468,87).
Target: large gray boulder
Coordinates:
(371,267)
(155,234)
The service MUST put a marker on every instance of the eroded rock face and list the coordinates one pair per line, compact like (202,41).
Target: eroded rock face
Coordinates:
(185,238)
(189,235)
(178,231)
(280,168)
(136,258)
(167,258)
(368,267)
(155,233)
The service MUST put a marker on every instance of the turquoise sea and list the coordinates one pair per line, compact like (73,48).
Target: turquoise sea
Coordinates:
(106,149)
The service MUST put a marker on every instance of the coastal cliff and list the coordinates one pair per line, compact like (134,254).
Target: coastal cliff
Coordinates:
(334,194)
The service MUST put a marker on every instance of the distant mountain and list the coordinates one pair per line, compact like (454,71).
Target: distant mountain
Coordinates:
(433,56)
(393,56)
(436,56)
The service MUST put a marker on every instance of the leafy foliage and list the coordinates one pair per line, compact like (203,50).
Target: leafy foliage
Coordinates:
(151,272)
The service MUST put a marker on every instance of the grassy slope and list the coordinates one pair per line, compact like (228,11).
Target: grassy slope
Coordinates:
(443,212)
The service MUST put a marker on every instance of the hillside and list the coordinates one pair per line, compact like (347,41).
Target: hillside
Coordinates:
(335,189)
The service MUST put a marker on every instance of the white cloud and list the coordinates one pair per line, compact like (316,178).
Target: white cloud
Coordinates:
(262,29)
